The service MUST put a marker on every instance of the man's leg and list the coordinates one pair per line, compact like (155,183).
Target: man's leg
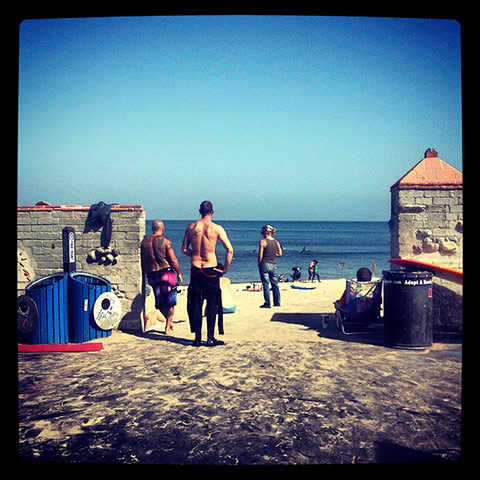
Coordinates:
(168,314)
(168,298)
(212,292)
(264,277)
(194,307)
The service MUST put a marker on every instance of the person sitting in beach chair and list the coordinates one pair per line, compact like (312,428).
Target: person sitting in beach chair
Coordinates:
(360,304)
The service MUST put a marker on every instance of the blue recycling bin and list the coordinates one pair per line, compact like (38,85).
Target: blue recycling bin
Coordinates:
(50,294)
(83,290)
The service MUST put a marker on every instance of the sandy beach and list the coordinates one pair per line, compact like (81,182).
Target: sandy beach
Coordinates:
(282,390)
(251,323)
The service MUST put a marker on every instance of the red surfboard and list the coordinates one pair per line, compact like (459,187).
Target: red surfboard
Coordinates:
(446,273)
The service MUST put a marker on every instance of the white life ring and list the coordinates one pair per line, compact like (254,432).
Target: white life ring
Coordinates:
(107,311)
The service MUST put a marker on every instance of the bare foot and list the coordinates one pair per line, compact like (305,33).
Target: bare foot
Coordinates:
(148,322)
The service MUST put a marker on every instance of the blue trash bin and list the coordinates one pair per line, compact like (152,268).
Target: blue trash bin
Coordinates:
(50,294)
(83,290)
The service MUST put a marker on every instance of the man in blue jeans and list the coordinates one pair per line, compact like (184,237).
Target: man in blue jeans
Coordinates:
(268,251)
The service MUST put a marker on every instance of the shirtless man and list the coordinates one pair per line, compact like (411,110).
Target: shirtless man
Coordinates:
(158,263)
(199,243)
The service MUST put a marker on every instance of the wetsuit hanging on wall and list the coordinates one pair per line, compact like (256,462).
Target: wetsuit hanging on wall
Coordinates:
(98,217)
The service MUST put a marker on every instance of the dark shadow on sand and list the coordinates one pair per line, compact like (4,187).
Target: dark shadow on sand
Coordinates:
(388,452)
(160,336)
(313,321)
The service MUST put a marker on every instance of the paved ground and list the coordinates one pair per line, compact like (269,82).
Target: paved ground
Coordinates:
(293,394)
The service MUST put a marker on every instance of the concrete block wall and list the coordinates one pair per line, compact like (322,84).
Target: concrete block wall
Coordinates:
(427,224)
(40,250)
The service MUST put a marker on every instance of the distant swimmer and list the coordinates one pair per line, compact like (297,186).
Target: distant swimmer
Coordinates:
(305,250)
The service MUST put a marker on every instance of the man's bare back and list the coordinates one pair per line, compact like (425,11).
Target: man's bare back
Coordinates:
(200,242)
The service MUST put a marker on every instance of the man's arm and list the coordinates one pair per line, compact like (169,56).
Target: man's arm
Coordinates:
(228,247)
(173,261)
(186,242)
(142,258)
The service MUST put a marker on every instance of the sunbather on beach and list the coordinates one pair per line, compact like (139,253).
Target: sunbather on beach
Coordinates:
(159,263)
(363,275)
(199,243)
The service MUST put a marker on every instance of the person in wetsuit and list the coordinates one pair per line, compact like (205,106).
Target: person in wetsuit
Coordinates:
(159,263)
(199,243)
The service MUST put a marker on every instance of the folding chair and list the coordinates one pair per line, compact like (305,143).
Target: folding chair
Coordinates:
(362,308)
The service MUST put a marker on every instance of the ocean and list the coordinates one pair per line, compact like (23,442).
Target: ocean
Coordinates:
(356,244)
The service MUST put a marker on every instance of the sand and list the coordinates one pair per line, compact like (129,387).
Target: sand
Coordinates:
(282,390)
(249,322)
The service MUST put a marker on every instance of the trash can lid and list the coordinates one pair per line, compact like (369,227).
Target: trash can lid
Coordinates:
(39,281)
(406,274)
(404,278)
(90,275)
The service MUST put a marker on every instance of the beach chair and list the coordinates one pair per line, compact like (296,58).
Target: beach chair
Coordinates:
(361,312)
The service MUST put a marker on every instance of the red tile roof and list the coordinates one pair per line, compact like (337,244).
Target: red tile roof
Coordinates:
(431,173)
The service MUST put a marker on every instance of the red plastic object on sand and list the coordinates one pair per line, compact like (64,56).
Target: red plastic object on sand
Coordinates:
(61,347)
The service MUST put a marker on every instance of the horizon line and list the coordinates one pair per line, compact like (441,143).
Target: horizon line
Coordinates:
(232,220)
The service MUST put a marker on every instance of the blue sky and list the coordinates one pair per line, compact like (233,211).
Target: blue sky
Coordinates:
(269,117)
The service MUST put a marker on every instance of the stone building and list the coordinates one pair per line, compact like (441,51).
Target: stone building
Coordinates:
(426,224)
(40,249)
(427,213)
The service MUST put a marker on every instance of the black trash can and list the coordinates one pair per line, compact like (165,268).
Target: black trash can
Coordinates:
(408,309)
(49,296)
(83,290)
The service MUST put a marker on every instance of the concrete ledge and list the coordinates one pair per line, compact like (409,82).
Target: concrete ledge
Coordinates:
(44,207)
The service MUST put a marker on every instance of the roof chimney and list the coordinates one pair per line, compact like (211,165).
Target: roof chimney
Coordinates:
(431,172)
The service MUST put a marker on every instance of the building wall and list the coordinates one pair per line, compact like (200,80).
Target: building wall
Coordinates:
(40,251)
(427,224)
